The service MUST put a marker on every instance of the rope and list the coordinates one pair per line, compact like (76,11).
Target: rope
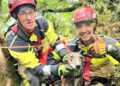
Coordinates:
(42,45)
(110,25)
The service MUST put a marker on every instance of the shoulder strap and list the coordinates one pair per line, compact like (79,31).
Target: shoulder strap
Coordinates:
(12,27)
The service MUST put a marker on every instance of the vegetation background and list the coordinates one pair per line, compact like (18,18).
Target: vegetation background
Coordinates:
(60,13)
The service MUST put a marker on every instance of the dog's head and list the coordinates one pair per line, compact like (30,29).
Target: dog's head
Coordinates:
(76,63)
(75,60)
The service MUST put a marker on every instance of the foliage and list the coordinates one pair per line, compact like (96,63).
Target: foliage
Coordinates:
(107,10)
(3,16)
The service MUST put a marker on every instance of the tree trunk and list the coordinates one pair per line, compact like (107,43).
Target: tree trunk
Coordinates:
(8,77)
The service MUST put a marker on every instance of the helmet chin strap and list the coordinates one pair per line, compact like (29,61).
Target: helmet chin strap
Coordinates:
(22,28)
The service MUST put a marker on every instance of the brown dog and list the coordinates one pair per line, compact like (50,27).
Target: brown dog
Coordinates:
(75,61)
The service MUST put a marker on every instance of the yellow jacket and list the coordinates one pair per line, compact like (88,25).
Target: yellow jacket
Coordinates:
(27,55)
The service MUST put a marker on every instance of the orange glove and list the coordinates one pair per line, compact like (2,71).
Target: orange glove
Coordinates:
(98,48)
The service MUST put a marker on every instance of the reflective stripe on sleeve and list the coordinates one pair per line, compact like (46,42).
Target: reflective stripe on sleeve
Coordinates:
(59,47)
(46,70)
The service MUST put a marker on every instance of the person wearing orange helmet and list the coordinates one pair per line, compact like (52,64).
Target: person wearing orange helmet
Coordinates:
(29,33)
(98,50)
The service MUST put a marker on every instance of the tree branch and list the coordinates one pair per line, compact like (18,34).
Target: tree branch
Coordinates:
(112,25)
(70,9)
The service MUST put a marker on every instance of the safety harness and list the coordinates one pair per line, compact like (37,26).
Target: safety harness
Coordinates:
(86,72)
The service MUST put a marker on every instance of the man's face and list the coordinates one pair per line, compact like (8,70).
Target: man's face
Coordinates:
(85,30)
(27,20)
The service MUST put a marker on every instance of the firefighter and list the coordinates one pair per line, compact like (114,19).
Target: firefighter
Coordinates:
(28,32)
(98,50)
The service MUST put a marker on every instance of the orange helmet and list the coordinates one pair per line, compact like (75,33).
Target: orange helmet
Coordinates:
(13,4)
(84,14)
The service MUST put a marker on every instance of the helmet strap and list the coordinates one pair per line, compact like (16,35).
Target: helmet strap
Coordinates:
(35,1)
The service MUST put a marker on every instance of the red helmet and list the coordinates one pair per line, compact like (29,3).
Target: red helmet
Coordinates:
(13,4)
(84,14)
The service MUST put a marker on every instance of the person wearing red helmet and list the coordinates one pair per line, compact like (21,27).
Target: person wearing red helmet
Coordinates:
(26,33)
(82,19)
(98,50)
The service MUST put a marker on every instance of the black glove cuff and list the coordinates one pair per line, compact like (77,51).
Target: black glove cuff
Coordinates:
(115,53)
(38,70)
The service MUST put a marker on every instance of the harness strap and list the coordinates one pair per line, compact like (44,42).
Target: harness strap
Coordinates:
(44,56)
(86,72)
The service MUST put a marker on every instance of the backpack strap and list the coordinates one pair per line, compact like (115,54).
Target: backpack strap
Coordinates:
(43,24)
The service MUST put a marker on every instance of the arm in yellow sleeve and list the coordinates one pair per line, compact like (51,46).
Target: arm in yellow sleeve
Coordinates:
(28,59)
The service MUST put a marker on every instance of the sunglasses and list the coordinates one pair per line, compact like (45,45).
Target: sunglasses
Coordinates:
(24,13)
(86,23)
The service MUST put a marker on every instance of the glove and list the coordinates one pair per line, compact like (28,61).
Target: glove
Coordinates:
(77,73)
(65,70)
(97,49)
(68,72)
